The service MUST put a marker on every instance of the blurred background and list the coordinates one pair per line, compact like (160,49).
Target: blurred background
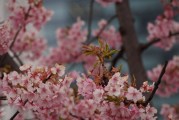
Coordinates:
(144,11)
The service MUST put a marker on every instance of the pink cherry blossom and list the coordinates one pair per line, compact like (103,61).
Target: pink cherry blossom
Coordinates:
(48,94)
(68,38)
(110,34)
(39,15)
(116,84)
(5,37)
(134,94)
(86,87)
(169,112)
(148,113)
(146,87)
(30,44)
(58,69)
(98,95)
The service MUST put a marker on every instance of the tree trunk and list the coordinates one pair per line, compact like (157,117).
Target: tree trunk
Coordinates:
(130,42)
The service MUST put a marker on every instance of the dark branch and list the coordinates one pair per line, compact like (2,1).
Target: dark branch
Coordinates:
(15,37)
(17,112)
(44,81)
(117,57)
(147,45)
(3,98)
(156,84)
(76,116)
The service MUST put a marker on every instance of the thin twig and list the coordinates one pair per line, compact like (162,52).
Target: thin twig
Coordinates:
(101,30)
(147,45)
(76,116)
(15,37)
(17,112)
(90,19)
(20,28)
(156,84)
(44,81)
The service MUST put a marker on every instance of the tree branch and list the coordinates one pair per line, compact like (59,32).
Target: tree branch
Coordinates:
(20,28)
(3,98)
(117,57)
(147,45)
(156,84)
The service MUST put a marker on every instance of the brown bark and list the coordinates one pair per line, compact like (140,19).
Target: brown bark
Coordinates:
(130,42)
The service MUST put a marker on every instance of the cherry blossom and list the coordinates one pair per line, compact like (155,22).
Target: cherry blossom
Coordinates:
(26,19)
(168,112)
(47,93)
(86,87)
(5,38)
(146,87)
(39,15)
(134,94)
(110,35)
(30,44)
(116,85)
(51,94)
(72,37)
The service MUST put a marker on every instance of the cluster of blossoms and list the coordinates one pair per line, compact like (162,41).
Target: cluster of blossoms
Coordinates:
(30,11)
(165,29)
(5,39)
(70,41)
(48,94)
(170,83)
(110,35)
(25,20)
(169,112)
(31,43)
(105,3)
(75,37)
